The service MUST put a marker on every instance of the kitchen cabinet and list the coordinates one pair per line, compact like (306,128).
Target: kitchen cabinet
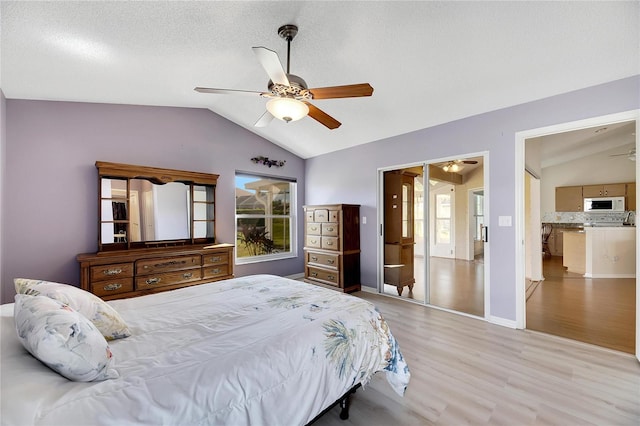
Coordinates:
(555,242)
(608,190)
(575,255)
(630,201)
(569,199)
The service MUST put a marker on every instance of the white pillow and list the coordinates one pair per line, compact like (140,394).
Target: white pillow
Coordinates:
(62,339)
(96,310)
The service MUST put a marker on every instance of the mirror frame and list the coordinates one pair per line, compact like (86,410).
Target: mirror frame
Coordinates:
(159,176)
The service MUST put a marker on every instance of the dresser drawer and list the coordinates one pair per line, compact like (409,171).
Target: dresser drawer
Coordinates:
(330,229)
(329,277)
(214,271)
(334,216)
(330,260)
(109,272)
(153,266)
(313,241)
(330,243)
(314,228)
(215,258)
(112,286)
(167,279)
(321,215)
(308,216)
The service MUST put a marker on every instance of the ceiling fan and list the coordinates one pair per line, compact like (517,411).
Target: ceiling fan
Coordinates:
(456,165)
(288,94)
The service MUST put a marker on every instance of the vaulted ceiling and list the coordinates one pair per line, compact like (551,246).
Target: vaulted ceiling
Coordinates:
(429,62)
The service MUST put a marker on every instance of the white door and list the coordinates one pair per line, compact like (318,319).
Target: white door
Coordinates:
(442,212)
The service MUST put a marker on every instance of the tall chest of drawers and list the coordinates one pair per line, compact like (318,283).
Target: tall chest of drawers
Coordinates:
(116,275)
(332,246)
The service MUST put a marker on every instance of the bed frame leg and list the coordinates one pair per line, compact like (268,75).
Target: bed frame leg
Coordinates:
(344,405)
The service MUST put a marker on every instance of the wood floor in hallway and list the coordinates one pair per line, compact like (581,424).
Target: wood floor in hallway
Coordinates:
(598,311)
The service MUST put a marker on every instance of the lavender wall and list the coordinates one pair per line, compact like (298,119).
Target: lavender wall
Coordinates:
(353,177)
(3,145)
(49,202)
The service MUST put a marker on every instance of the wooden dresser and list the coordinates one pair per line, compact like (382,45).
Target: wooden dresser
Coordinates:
(332,246)
(129,273)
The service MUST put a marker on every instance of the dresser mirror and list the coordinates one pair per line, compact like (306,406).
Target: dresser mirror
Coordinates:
(150,207)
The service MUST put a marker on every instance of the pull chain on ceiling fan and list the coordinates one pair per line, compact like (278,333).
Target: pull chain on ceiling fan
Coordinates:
(287,93)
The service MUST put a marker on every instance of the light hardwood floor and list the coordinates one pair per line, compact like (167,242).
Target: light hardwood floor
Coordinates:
(598,311)
(455,284)
(468,371)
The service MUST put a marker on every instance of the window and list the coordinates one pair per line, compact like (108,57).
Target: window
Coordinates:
(265,218)
(478,201)
(443,218)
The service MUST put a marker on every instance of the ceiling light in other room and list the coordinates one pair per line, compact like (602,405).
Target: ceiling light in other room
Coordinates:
(287,109)
(452,167)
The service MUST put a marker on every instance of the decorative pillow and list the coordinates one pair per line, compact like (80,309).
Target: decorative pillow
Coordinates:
(62,339)
(101,314)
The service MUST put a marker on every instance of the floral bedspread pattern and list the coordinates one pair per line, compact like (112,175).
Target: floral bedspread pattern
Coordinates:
(253,350)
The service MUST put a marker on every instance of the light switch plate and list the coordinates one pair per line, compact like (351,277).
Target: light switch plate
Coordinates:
(504,220)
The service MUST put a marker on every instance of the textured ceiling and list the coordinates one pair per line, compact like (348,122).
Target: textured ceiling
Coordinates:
(429,62)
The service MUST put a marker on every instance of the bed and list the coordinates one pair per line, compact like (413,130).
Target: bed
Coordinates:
(253,350)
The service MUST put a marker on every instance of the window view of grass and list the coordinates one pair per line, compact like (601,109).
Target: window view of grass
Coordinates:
(262,216)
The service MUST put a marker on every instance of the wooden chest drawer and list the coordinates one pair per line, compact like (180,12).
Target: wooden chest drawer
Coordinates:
(153,266)
(167,279)
(320,215)
(313,241)
(215,258)
(309,216)
(330,229)
(214,271)
(334,216)
(329,277)
(330,260)
(112,286)
(330,243)
(109,272)
(314,228)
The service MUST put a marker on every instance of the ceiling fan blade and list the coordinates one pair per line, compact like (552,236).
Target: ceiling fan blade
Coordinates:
(469,161)
(322,117)
(230,91)
(271,64)
(264,119)
(349,91)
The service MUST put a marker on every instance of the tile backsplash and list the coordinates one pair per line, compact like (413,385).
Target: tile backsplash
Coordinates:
(586,217)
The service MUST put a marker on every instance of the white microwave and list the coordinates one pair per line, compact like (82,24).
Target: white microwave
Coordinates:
(604,204)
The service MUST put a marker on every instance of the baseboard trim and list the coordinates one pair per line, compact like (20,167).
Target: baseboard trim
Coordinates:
(295,276)
(368,289)
(503,322)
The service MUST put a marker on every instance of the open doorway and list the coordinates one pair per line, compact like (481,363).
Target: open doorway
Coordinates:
(434,227)
(579,277)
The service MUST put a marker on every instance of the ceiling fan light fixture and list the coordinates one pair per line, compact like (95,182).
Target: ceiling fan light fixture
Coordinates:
(452,166)
(287,109)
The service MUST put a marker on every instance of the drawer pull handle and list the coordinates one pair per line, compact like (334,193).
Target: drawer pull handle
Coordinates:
(330,229)
(331,277)
(330,261)
(329,243)
(215,271)
(111,287)
(187,275)
(314,228)
(215,259)
(165,264)
(314,258)
(153,280)
(314,274)
(112,271)
(314,241)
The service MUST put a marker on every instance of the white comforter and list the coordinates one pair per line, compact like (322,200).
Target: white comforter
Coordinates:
(253,350)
